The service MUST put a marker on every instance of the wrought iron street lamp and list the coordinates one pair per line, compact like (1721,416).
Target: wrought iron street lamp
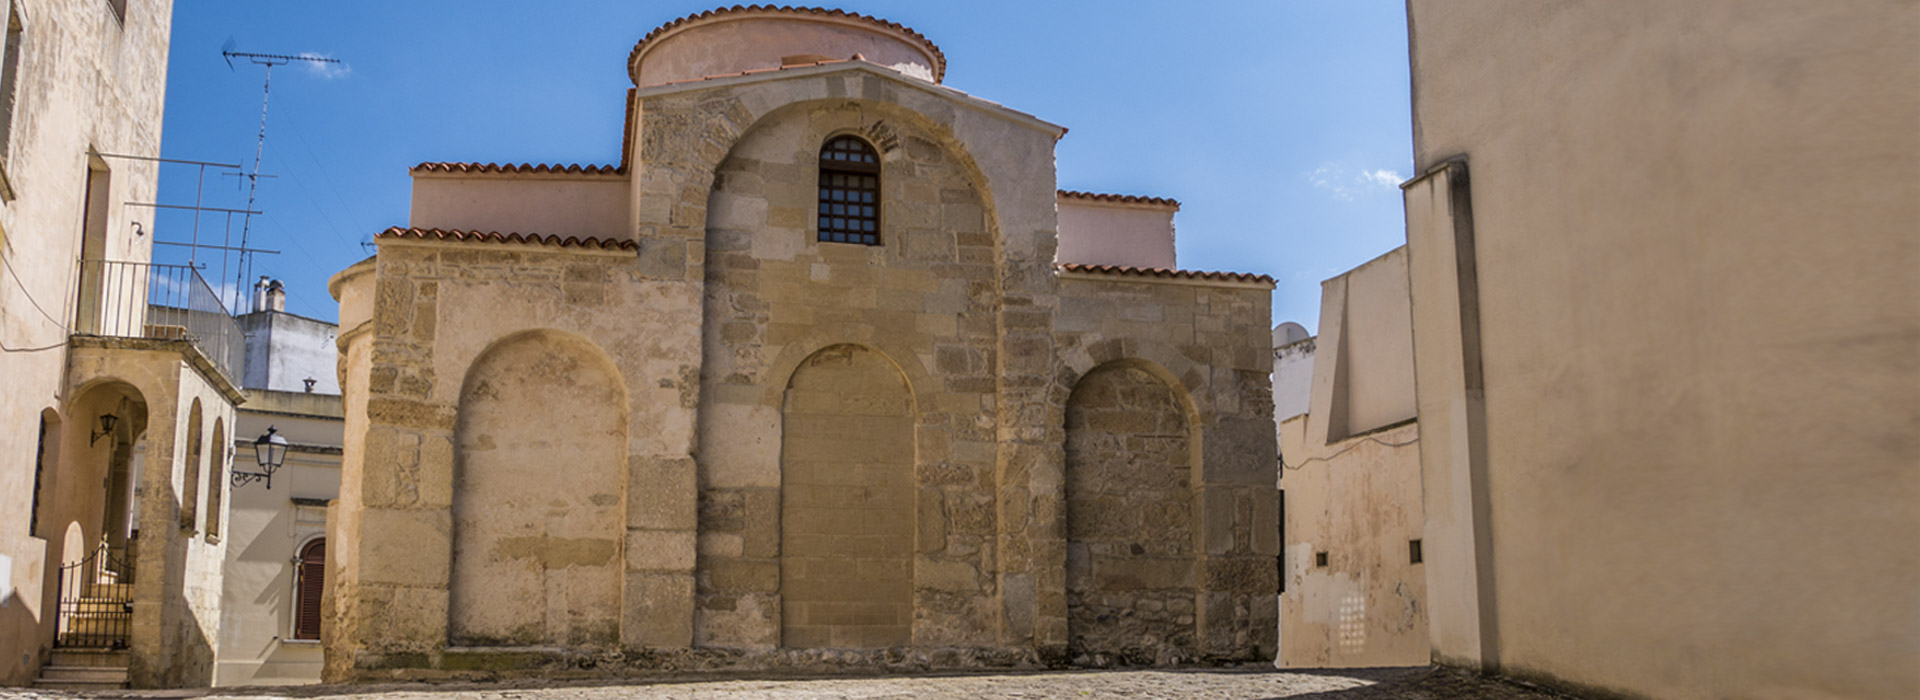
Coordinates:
(270,451)
(107,421)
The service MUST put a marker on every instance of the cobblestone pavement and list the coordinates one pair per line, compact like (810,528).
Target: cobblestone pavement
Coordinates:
(1370,684)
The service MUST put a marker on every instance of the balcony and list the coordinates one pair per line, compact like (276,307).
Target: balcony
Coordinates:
(146,301)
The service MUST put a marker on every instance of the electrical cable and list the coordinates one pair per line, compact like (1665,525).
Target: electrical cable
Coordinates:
(64,330)
(1343,450)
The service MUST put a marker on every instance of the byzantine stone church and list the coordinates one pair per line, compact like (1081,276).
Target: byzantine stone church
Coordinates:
(825,372)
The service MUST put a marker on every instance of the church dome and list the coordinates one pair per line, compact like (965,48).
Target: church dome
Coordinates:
(760,37)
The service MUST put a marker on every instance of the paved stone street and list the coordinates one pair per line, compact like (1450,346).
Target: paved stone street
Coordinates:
(1369,684)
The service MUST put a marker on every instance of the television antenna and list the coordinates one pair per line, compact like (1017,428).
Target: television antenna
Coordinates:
(268,60)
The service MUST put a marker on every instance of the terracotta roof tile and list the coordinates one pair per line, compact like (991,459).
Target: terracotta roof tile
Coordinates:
(496,237)
(519,168)
(1165,273)
(939,59)
(1121,198)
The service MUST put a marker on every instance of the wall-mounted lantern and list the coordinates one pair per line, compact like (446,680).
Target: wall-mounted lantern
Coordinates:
(107,421)
(270,451)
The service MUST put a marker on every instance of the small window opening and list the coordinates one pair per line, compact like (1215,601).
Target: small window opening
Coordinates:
(9,94)
(39,473)
(1320,559)
(849,192)
(1281,561)
(312,577)
(1413,551)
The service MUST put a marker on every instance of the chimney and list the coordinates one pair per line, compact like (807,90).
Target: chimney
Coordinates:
(260,295)
(276,296)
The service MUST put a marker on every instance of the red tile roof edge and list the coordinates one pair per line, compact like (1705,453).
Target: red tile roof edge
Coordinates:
(939,58)
(1165,273)
(497,237)
(518,169)
(1121,198)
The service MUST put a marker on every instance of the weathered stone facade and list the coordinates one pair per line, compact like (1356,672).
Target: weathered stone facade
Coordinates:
(667,428)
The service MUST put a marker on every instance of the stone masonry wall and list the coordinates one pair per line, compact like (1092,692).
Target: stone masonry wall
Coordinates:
(711,323)
(537,540)
(923,299)
(1209,341)
(436,309)
(1130,535)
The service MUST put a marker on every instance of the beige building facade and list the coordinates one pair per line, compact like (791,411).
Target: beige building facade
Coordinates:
(275,571)
(802,382)
(118,374)
(1355,588)
(1665,309)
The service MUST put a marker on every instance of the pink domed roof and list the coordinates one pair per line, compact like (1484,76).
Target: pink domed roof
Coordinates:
(807,32)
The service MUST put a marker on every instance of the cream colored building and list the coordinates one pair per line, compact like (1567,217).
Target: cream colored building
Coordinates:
(1355,585)
(274,574)
(1666,311)
(813,378)
(108,574)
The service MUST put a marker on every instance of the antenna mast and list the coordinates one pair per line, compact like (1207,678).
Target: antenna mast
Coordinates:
(253,179)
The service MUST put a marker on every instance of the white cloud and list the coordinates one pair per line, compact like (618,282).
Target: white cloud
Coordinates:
(1382,178)
(325,71)
(1346,186)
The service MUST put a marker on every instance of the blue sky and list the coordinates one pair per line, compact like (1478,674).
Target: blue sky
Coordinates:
(1282,127)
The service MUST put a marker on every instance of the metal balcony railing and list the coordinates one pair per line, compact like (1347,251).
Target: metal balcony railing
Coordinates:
(163,302)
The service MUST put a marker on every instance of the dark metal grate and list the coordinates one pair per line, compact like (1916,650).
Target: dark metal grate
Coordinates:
(849,192)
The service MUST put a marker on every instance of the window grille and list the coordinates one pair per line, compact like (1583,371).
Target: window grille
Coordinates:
(849,192)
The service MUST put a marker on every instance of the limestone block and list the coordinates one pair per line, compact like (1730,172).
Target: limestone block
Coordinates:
(417,617)
(661,493)
(743,576)
(660,550)
(740,445)
(658,612)
(403,552)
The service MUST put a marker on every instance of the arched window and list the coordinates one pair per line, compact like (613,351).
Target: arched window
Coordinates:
(310,583)
(190,486)
(849,192)
(217,477)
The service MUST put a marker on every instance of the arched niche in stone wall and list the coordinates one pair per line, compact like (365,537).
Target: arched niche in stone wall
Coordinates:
(539,496)
(1131,518)
(847,502)
(190,483)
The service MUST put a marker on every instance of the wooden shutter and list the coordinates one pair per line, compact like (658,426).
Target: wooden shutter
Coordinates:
(313,576)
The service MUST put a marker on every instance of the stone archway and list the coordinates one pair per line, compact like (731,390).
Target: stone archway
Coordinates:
(539,496)
(847,503)
(1130,525)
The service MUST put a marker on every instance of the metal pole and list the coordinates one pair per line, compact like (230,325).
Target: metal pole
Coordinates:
(253,180)
(199,186)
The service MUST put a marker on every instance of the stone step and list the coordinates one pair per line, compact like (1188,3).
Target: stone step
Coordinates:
(89,657)
(83,674)
(97,605)
(78,686)
(109,591)
(98,625)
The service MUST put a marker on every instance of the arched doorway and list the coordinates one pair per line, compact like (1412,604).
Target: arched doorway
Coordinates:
(90,499)
(1131,589)
(539,496)
(846,503)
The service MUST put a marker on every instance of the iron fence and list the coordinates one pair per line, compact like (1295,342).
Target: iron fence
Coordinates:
(123,299)
(96,603)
